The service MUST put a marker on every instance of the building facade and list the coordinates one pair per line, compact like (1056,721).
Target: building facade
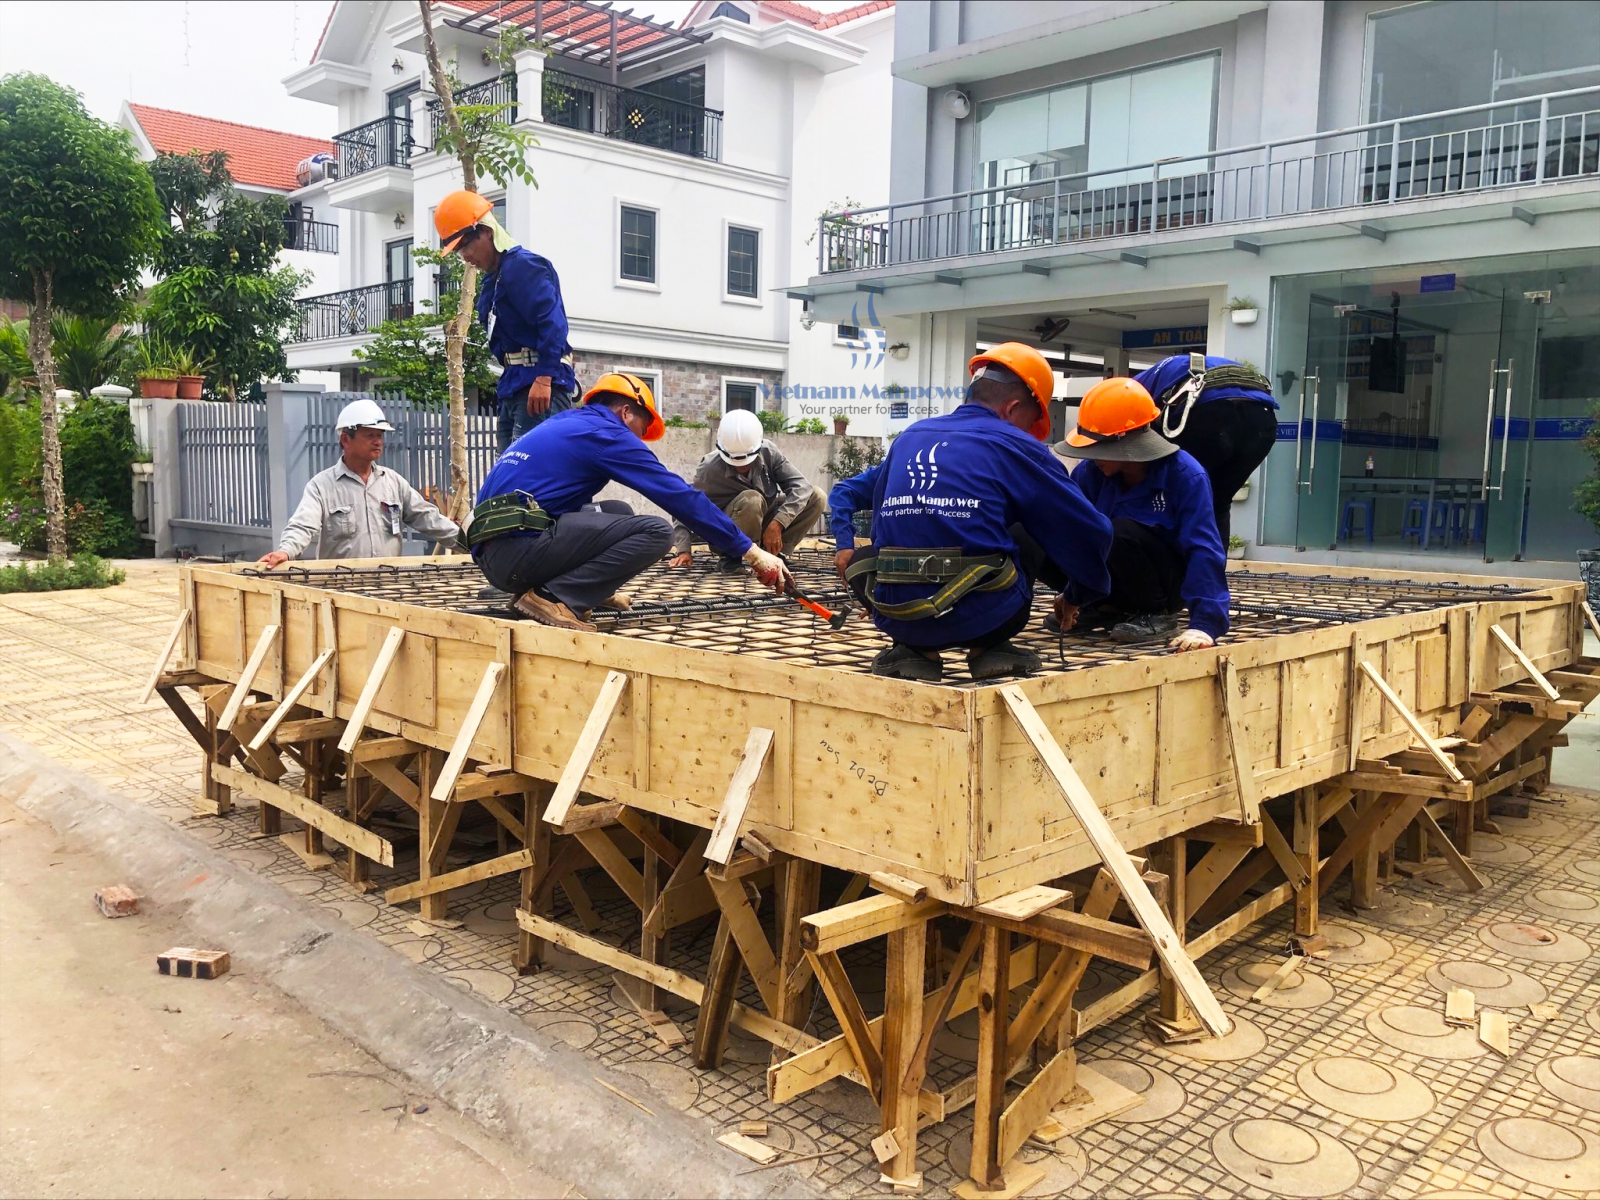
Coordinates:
(1389,208)
(679,173)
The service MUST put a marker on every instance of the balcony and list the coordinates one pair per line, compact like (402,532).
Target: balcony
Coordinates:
(1367,171)
(590,106)
(318,237)
(374,166)
(352,313)
(501,93)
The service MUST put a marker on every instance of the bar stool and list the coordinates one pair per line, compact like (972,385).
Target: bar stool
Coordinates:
(1438,522)
(1359,506)
(1415,522)
(1468,519)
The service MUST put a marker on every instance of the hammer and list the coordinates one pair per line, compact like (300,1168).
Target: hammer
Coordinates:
(835,620)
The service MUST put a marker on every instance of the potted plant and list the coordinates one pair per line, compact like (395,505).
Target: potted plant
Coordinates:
(841,423)
(158,380)
(1242,310)
(1586,499)
(190,372)
(1235,546)
(843,244)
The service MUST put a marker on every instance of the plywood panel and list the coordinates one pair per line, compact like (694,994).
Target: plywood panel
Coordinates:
(697,734)
(1433,671)
(553,698)
(1316,703)
(409,692)
(299,636)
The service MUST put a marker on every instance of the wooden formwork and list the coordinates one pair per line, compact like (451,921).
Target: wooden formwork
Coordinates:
(1001,813)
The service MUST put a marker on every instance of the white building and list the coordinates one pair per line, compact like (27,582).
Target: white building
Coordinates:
(680,172)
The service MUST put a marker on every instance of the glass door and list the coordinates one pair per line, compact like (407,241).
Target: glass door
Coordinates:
(1319,432)
(1513,383)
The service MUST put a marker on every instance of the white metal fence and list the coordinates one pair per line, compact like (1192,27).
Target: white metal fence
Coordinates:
(223,464)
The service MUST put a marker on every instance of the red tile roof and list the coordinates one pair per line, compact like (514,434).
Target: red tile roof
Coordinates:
(256,157)
(805,14)
(829,20)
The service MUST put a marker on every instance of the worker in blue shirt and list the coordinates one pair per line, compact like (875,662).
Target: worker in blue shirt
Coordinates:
(519,304)
(848,497)
(946,569)
(1220,411)
(537,533)
(1166,554)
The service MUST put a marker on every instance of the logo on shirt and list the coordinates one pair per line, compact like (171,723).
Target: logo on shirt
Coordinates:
(1158,502)
(924,472)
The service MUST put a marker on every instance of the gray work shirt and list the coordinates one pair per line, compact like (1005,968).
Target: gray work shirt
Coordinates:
(773,475)
(361,519)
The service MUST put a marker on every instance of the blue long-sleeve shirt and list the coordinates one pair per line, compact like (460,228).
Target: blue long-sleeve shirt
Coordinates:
(524,295)
(848,497)
(563,461)
(962,480)
(1170,372)
(1174,499)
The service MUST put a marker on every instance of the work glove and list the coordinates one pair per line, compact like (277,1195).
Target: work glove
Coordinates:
(768,568)
(1191,639)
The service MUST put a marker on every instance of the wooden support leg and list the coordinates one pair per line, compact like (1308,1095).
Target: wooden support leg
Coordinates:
(530,949)
(799,894)
(316,780)
(360,794)
(651,945)
(994,1007)
(1175,1020)
(437,826)
(1306,825)
(1364,866)
(902,1029)
(216,798)
(722,980)
(1464,813)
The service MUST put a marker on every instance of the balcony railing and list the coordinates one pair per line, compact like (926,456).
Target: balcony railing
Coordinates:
(385,142)
(632,116)
(1458,152)
(491,91)
(321,237)
(346,314)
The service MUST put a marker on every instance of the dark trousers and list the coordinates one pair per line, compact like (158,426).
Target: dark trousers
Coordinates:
(516,420)
(1146,572)
(1230,439)
(1003,631)
(580,560)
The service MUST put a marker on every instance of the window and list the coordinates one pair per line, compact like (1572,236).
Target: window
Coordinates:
(741,393)
(653,378)
(638,244)
(744,261)
(727,10)
(849,333)
(397,263)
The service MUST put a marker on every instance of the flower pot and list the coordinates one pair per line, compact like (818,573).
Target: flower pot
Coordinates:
(1589,572)
(191,386)
(158,389)
(1245,316)
(840,428)
(1235,551)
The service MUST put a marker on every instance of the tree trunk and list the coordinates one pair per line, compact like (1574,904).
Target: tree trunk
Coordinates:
(44,366)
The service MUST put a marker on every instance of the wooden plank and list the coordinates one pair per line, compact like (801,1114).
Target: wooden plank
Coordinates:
(247,677)
(898,885)
(1357,697)
(307,729)
(373,749)
(1417,731)
(1028,903)
(748,935)
(1494,1031)
(869,917)
(1282,854)
(1125,944)
(650,836)
(516,861)
(1473,881)
(479,707)
(1274,981)
(171,644)
(290,699)
(725,833)
(901,1033)
(1525,663)
(861,1035)
(1244,772)
(1460,1008)
(376,674)
(1028,1111)
(396,780)
(346,833)
(585,748)
(614,863)
(1588,615)
(1145,909)
(1226,833)
(994,1004)
(933,1018)
(1059,982)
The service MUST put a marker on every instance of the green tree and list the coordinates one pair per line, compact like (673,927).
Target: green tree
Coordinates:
(1586,496)
(15,366)
(409,354)
(221,294)
(88,352)
(80,220)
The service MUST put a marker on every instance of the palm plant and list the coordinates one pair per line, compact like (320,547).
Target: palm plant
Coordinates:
(87,351)
(15,365)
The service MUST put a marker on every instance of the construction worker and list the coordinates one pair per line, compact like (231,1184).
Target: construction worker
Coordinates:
(537,533)
(519,304)
(947,568)
(1220,411)
(356,508)
(749,479)
(1166,553)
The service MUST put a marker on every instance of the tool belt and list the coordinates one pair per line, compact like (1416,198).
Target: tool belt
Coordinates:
(528,358)
(1175,408)
(513,512)
(959,573)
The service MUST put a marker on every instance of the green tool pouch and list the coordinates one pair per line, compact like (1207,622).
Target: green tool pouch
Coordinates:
(1236,376)
(498,515)
(960,574)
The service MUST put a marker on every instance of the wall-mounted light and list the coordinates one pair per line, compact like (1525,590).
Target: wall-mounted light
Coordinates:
(399,220)
(957,103)
(899,350)
(397,66)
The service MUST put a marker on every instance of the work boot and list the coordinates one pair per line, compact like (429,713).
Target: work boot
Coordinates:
(1005,659)
(902,662)
(730,566)
(1145,627)
(550,612)
(489,592)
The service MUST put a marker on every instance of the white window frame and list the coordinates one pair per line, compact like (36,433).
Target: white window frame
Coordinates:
(616,246)
(840,340)
(651,375)
(756,301)
(758,384)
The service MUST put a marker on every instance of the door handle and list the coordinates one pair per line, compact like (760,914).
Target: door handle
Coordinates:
(1505,434)
(1316,407)
(1495,371)
(1314,379)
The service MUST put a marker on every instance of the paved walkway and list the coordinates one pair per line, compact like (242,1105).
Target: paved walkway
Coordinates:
(1345,1082)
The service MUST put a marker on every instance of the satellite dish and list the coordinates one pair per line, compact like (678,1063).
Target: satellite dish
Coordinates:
(958,104)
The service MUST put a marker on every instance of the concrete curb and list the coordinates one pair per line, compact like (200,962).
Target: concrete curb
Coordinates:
(538,1093)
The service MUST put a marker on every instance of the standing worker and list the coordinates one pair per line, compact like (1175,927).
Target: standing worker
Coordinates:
(357,508)
(1166,553)
(1220,411)
(519,304)
(538,534)
(750,480)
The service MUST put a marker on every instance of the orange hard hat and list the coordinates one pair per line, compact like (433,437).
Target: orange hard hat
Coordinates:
(1116,420)
(630,387)
(1028,365)
(456,215)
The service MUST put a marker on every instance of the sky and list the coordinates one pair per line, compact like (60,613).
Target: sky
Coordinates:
(217,58)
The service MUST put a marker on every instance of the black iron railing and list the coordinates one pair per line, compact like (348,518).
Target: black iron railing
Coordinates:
(321,237)
(385,142)
(632,116)
(359,310)
(491,91)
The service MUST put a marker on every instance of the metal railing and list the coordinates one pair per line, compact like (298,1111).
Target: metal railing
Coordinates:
(358,310)
(385,142)
(321,237)
(1456,152)
(419,447)
(632,116)
(223,468)
(502,90)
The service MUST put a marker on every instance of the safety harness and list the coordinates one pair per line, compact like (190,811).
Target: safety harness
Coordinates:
(959,573)
(1202,378)
(513,512)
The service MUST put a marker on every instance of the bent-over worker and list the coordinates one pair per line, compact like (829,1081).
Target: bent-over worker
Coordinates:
(356,508)
(760,490)
(537,533)
(1166,553)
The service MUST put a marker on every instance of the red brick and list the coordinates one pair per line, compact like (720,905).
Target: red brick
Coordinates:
(116,901)
(187,963)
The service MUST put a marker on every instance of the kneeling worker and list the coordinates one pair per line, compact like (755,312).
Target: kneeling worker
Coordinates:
(947,569)
(749,479)
(1166,553)
(537,533)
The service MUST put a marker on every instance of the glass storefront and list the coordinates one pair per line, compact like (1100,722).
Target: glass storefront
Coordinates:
(1436,409)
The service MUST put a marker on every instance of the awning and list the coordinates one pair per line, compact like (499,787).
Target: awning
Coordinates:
(589,31)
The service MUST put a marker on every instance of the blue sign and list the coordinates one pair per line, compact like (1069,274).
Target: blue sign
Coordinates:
(1164,339)
(899,410)
(1438,283)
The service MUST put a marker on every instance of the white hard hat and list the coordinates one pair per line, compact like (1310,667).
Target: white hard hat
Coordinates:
(363,414)
(739,439)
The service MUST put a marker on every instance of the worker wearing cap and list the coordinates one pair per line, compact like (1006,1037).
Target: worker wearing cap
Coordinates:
(356,508)
(1166,553)
(946,569)
(519,304)
(538,534)
(760,490)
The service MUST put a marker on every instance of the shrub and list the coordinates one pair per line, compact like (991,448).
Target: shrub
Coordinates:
(97,453)
(1587,494)
(93,527)
(59,575)
(809,425)
(772,421)
(19,446)
(677,422)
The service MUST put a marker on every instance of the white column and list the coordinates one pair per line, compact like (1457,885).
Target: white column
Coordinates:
(530,84)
